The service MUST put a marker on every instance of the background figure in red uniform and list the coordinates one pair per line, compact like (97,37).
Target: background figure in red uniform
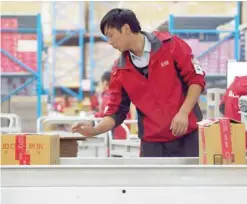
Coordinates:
(118,132)
(94,102)
(63,103)
(229,103)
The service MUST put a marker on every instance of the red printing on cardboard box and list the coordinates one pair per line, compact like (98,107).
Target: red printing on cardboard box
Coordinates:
(20,150)
(225,131)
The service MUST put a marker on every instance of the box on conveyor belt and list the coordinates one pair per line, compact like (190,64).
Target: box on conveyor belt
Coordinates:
(221,141)
(69,146)
(29,149)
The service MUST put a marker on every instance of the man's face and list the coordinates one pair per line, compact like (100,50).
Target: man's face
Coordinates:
(118,40)
(105,85)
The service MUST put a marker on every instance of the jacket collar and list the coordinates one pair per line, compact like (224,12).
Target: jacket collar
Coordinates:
(155,45)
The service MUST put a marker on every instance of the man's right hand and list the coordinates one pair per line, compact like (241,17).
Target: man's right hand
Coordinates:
(86,129)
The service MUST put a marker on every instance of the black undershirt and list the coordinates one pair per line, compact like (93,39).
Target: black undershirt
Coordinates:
(142,70)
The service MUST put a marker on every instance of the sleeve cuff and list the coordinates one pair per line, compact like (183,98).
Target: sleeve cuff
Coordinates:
(118,120)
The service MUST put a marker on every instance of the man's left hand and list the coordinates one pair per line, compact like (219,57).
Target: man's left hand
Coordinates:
(179,124)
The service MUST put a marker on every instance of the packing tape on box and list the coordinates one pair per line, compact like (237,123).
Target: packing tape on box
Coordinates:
(226,142)
(202,133)
(20,150)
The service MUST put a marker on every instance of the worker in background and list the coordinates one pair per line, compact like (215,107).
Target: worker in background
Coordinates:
(63,103)
(94,102)
(229,103)
(118,132)
(105,95)
(60,107)
(159,75)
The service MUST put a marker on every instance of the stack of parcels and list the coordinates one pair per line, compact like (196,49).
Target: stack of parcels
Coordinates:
(222,141)
(68,147)
(29,149)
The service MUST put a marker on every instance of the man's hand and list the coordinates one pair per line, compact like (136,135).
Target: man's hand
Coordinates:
(84,129)
(179,124)
(87,129)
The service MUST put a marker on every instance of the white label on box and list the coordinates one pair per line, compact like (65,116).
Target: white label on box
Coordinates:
(27,46)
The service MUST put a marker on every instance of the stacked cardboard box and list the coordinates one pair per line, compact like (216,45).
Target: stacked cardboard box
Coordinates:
(222,141)
(69,146)
(22,46)
(29,149)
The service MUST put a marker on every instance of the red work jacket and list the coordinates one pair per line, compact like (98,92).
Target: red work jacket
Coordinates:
(171,70)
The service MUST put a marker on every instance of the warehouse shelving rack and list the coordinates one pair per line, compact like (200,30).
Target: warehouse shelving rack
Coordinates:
(35,76)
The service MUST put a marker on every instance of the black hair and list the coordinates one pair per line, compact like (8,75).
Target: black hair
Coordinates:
(116,18)
(106,76)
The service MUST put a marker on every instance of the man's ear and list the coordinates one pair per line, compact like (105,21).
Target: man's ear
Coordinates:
(126,29)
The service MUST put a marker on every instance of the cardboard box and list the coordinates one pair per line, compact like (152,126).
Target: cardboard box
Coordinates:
(29,149)
(69,146)
(221,141)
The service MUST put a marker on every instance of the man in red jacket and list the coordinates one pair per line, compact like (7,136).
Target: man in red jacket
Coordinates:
(159,75)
